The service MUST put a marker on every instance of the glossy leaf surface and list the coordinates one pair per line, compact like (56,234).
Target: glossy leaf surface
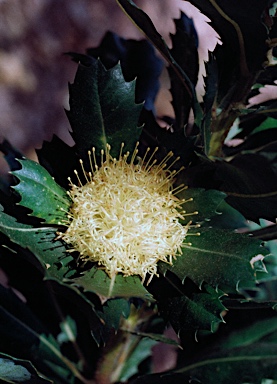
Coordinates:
(40,193)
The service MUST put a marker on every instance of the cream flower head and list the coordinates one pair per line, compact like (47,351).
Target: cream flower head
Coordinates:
(126,216)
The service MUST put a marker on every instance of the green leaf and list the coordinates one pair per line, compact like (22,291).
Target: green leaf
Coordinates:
(144,23)
(103,109)
(40,193)
(269,123)
(140,353)
(26,335)
(252,334)
(112,312)
(51,253)
(97,281)
(221,258)
(14,370)
(200,311)
(68,331)
(240,366)
(204,202)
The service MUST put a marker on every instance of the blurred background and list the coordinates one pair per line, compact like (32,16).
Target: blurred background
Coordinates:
(34,73)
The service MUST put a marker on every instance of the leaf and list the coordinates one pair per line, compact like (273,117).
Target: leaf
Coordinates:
(140,353)
(51,253)
(241,365)
(112,312)
(144,23)
(240,27)
(59,159)
(204,202)
(138,61)
(18,371)
(25,335)
(97,281)
(201,311)
(102,109)
(249,181)
(221,258)
(209,99)
(185,53)
(68,331)
(251,334)
(40,193)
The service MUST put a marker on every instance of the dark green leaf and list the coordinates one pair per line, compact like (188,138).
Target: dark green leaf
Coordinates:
(102,109)
(97,281)
(40,193)
(241,365)
(138,60)
(144,23)
(200,311)
(41,241)
(250,184)
(14,370)
(184,51)
(221,258)
(204,202)
(211,84)
(59,159)
(26,335)
(112,312)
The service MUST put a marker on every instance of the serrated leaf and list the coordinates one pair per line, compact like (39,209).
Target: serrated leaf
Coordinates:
(200,311)
(40,193)
(184,50)
(51,253)
(97,281)
(102,109)
(14,370)
(211,84)
(204,202)
(112,312)
(221,258)
(59,159)
(138,61)
(144,23)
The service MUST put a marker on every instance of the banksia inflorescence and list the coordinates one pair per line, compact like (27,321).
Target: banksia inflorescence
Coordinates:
(126,216)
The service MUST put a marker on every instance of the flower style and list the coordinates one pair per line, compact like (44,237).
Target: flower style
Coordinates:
(126,216)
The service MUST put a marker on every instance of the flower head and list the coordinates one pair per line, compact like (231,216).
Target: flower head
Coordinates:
(126,216)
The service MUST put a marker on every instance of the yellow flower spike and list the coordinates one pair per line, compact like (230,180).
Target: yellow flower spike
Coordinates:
(126,216)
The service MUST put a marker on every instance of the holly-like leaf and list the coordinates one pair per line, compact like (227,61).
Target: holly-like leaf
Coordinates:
(97,281)
(138,61)
(51,253)
(221,258)
(185,53)
(40,193)
(102,109)
(202,204)
(200,311)
(211,85)
(112,312)
(59,159)
(144,23)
